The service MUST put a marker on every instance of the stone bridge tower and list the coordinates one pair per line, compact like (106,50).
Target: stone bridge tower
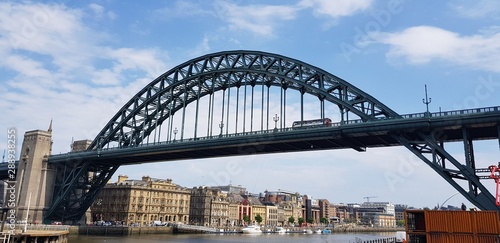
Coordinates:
(35,177)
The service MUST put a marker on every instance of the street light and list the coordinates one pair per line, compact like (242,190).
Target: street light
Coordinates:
(276,118)
(175,132)
(427,100)
(221,125)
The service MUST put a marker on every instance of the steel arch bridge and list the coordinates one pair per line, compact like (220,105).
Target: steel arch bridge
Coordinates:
(242,89)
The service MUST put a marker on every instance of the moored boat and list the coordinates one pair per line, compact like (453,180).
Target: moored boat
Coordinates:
(280,230)
(252,229)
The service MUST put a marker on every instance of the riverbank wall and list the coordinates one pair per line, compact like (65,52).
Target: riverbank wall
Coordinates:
(125,230)
(363,229)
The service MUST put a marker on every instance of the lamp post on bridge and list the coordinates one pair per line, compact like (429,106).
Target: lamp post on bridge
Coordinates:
(276,118)
(221,125)
(426,101)
(175,132)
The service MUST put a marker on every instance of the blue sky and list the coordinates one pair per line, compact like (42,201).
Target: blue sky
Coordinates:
(78,62)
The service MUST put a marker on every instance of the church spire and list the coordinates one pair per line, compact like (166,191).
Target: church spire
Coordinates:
(50,126)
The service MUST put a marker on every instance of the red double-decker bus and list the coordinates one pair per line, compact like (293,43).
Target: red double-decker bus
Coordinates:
(317,122)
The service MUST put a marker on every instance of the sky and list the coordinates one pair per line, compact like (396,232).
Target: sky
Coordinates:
(78,62)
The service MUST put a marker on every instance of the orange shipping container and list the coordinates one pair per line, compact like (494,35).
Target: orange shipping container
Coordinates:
(436,221)
(487,239)
(440,238)
(486,222)
(415,221)
(460,221)
(464,238)
(454,238)
(465,222)
(432,226)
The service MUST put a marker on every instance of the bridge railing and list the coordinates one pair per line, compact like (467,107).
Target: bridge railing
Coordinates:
(452,113)
(335,124)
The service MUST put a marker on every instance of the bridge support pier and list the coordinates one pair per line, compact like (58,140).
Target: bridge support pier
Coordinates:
(427,147)
(35,176)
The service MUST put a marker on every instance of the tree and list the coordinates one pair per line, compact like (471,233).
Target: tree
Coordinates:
(291,220)
(301,221)
(323,220)
(310,220)
(246,219)
(258,218)
(400,222)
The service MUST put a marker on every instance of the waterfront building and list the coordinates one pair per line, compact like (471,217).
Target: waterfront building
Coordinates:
(289,204)
(387,207)
(399,212)
(341,212)
(281,220)
(255,206)
(310,209)
(289,209)
(325,209)
(377,214)
(384,220)
(251,206)
(258,209)
(209,207)
(271,215)
(219,213)
(232,219)
(141,202)
(353,212)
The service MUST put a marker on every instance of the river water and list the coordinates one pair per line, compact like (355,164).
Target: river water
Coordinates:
(191,238)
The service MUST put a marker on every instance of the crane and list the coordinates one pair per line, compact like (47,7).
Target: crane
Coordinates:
(368,198)
(495,174)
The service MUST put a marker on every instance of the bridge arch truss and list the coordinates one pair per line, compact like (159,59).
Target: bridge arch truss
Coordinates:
(240,76)
(173,91)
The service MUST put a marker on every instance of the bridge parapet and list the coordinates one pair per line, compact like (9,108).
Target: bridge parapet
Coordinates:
(453,113)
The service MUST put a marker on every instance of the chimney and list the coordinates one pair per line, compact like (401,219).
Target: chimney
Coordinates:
(122,178)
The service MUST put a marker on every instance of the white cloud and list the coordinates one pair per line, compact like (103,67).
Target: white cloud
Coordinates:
(62,69)
(336,8)
(263,19)
(97,9)
(423,44)
(202,48)
(477,9)
(258,19)
(100,12)
(182,9)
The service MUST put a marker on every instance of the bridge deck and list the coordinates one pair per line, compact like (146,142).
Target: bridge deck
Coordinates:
(354,135)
